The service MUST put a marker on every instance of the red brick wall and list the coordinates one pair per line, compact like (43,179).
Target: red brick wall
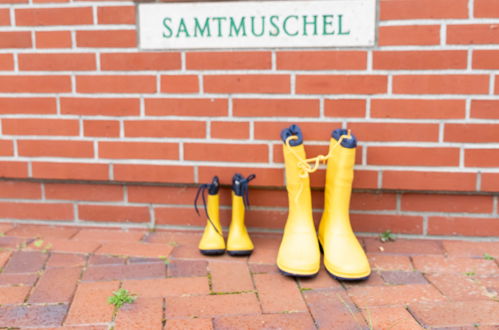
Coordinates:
(79,102)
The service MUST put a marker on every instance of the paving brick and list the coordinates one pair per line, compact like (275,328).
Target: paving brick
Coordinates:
(266,251)
(186,268)
(471,249)
(18,279)
(457,286)
(440,264)
(321,281)
(205,306)
(109,235)
(400,277)
(263,268)
(456,313)
(491,285)
(11,242)
(105,260)
(65,245)
(230,277)
(374,279)
(25,262)
(278,293)
(90,303)
(165,287)
(144,313)
(267,321)
(13,294)
(65,260)
(32,315)
(43,231)
(393,295)
(390,262)
(4,256)
(64,279)
(390,318)
(135,249)
(404,247)
(334,310)
(124,272)
(204,324)
(5,227)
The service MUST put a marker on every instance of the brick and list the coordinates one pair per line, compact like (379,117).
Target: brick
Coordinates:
(138,150)
(332,309)
(187,268)
(468,133)
(275,108)
(177,216)
(406,224)
(56,127)
(321,60)
(376,201)
(177,324)
(55,148)
(345,108)
(35,84)
(230,277)
(17,189)
(186,107)
(13,1)
(99,310)
(186,83)
(485,109)
(441,84)
(404,247)
(441,264)
(54,16)
(160,195)
(226,152)
(267,321)
(66,245)
(153,173)
(25,262)
(136,249)
(394,295)
(109,235)
(248,83)
(278,294)
(268,245)
(415,180)
(106,260)
(11,242)
(312,131)
(457,286)
(15,39)
(57,260)
(165,128)
(413,156)
(144,313)
(13,295)
(446,203)
(246,60)
(395,132)
(466,226)
(418,109)
(341,84)
(6,62)
(423,35)
(14,279)
(206,306)
(125,272)
(390,262)
(101,128)
(485,59)
(57,62)
(116,15)
(116,84)
(471,249)
(75,171)
(414,9)
(42,231)
(5,17)
(53,39)
(229,130)
(321,281)
(481,157)
(266,176)
(390,317)
(83,192)
(168,287)
(400,277)
(490,182)
(140,61)
(104,213)
(13,169)
(100,106)
(32,105)
(474,34)
(66,279)
(486,8)
(106,39)
(6,148)
(33,315)
(36,211)
(420,60)
(456,313)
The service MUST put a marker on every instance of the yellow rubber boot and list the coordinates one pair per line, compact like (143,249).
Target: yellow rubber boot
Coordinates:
(212,242)
(344,257)
(239,242)
(299,253)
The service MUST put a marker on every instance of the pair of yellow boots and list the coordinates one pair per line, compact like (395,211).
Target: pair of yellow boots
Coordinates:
(238,241)
(299,252)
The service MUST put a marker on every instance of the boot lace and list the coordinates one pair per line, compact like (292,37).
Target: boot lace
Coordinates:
(240,186)
(201,192)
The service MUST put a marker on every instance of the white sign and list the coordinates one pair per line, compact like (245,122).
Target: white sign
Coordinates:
(266,24)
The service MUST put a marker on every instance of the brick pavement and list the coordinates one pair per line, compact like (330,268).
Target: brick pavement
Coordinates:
(61,277)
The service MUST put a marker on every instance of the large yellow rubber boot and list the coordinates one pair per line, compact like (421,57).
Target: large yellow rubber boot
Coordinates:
(299,253)
(239,242)
(212,242)
(344,257)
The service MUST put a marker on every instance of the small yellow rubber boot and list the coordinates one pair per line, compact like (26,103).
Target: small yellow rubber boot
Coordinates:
(238,242)
(212,242)
(299,253)
(344,257)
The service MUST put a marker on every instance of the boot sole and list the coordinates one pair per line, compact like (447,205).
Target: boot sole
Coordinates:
(242,253)
(212,252)
(347,279)
(296,275)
